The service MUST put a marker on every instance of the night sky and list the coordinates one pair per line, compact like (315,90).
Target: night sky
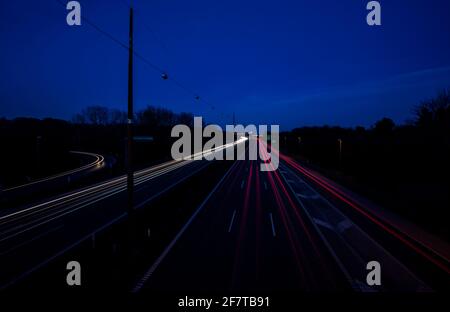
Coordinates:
(292,63)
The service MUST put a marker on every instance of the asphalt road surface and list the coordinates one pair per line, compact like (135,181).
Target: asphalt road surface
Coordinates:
(272,232)
(34,236)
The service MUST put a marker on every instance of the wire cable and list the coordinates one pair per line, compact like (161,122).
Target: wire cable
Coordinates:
(138,55)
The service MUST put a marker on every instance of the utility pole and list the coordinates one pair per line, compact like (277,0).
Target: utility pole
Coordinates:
(340,153)
(130,173)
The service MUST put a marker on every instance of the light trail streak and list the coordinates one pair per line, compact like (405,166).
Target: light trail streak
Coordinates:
(293,241)
(258,221)
(275,179)
(99,160)
(35,216)
(241,233)
(344,198)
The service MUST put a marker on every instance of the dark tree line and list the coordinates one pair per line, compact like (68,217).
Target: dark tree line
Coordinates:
(404,167)
(152,118)
(434,115)
(101,129)
(36,148)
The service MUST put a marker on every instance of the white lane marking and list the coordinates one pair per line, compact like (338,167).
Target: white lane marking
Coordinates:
(314,196)
(344,225)
(265,186)
(273,226)
(232,220)
(155,265)
(242,184)
(323,223)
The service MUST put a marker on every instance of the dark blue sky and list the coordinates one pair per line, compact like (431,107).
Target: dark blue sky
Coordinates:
(291,63)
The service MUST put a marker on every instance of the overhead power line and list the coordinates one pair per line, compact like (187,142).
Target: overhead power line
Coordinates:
(139,56)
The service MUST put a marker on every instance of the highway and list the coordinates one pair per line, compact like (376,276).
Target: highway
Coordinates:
(13,196)
(279,231)
(34,236)
(285,230)
(243,238)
